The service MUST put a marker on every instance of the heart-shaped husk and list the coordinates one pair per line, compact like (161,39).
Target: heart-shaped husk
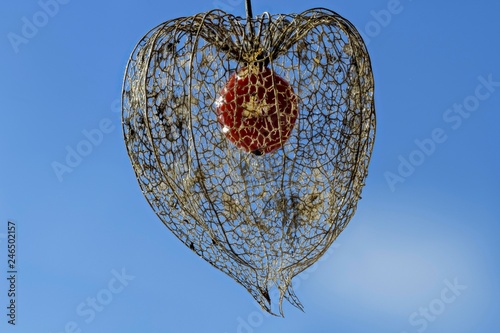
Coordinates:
(260,219)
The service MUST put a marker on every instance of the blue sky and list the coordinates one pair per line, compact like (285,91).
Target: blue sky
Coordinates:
(420,255)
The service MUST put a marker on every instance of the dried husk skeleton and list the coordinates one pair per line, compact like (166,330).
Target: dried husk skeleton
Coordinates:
(260,219)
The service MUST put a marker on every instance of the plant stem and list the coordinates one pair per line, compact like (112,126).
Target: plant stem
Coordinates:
(249,10)
(249,19)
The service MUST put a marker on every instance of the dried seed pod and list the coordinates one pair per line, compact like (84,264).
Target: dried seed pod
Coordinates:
(261,218)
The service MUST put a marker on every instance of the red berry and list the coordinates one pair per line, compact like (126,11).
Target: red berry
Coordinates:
(257,109)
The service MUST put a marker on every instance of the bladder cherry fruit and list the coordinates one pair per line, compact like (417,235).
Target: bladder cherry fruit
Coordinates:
(257,110)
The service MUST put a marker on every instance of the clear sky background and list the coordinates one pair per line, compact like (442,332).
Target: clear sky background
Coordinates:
(420,255)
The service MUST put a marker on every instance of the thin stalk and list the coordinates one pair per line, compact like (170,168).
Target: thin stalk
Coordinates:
(250,29)
(249,10)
